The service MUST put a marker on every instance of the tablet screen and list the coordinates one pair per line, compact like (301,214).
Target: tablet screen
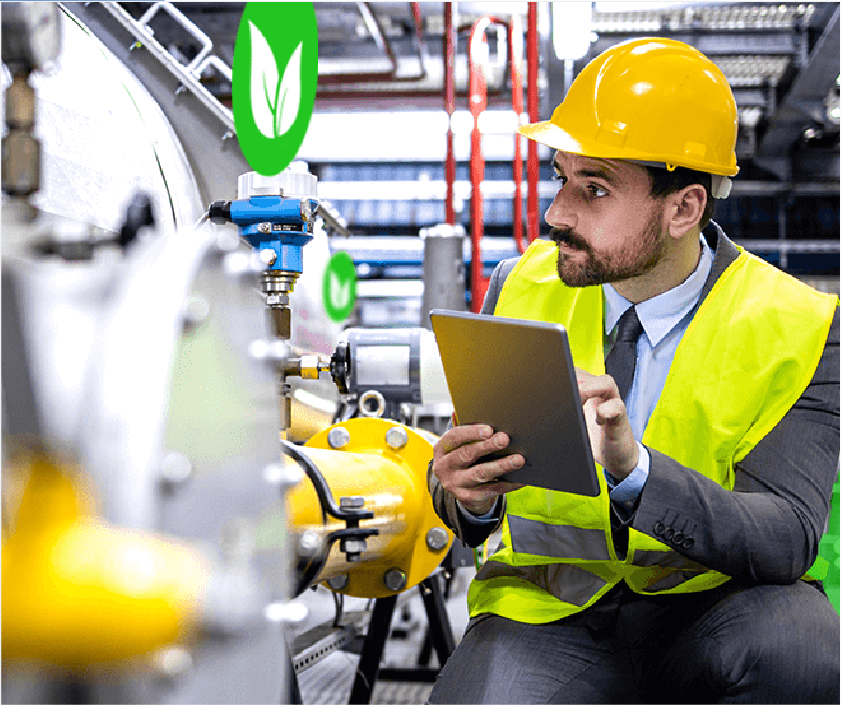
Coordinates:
(518,377)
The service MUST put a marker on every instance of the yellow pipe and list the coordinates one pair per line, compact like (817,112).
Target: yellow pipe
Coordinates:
(392,482)
(77,592)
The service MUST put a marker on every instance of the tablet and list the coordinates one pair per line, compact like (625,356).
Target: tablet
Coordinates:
(517,376)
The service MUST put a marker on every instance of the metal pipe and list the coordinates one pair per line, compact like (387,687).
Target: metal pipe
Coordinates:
(533,105)
(389,75)
(477,103)
(416,16)
(515,58)
(449,106)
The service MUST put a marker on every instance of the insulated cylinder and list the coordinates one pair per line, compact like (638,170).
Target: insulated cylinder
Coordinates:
(443,270)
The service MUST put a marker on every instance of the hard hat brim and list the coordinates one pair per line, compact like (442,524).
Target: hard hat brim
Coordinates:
(555,137)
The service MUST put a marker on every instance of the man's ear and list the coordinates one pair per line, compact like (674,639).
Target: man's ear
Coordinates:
(686,208)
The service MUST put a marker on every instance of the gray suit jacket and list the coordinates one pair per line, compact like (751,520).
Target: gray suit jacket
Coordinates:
(766,530)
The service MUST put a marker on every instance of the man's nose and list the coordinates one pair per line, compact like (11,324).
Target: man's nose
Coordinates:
(561,214)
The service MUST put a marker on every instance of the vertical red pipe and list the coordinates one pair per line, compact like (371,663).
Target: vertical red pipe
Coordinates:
(478,101)
(449,105)
(533,104)
(515,61)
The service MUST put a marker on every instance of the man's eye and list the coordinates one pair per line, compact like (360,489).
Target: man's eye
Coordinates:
(559,177)
(597,191)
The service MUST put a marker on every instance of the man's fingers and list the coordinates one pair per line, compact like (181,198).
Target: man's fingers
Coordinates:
(610,412)
(466,444)
(460,435)
(488,473)
(591,387)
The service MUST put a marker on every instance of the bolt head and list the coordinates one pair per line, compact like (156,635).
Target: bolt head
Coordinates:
(396,437)
(172,661)
(338,437)
(395,579)
(354,545)
(268,256)
(437,538)
(175,468)
(339,582)
(309,543)
(195,311)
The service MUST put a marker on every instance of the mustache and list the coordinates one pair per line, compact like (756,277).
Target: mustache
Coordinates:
(569,237)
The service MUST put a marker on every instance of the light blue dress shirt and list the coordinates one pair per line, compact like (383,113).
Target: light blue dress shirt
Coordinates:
(664,319)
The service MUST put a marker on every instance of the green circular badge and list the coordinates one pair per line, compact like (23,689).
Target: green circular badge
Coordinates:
(275,74)
(339,286)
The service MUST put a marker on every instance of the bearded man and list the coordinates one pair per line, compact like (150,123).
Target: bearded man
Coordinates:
(709,381)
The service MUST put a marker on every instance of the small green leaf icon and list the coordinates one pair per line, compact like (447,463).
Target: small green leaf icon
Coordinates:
(339,292)
(275,75)
(339,288)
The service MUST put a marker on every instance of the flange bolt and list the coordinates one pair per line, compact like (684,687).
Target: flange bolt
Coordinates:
(436,538)
(395,579)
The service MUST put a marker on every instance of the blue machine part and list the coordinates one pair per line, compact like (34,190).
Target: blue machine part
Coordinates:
(291,229)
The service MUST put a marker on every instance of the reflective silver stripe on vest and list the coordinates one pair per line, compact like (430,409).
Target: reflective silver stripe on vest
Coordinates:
(557,540)
(665,559)
(564,581)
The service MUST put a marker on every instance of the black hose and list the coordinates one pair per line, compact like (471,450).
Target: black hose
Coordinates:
(328,506)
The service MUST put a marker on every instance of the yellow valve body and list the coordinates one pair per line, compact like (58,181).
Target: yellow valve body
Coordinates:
(393,485)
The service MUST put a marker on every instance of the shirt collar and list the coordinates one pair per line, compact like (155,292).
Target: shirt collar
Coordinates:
(662,313)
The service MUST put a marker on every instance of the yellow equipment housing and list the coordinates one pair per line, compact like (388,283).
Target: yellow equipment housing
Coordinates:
(374,464)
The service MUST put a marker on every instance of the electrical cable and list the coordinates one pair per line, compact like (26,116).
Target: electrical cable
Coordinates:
(201,221)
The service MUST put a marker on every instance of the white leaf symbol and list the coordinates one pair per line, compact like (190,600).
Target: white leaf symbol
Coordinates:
(339,293)
(263,83)
(289,94)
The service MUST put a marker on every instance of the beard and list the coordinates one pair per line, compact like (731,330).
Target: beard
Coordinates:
(633,258)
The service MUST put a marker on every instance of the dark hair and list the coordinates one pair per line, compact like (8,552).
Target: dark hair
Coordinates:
(665,182)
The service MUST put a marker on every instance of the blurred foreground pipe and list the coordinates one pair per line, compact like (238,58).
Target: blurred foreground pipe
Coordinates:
(78,592)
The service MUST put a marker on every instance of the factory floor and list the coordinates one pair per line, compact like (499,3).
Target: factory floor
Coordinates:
(330,679)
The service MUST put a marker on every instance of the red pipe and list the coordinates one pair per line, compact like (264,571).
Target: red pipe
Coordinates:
(533,101)
(478,103)
(449,106)
(478,89)
(515,60)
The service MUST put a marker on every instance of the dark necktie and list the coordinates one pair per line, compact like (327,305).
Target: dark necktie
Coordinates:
(622,358)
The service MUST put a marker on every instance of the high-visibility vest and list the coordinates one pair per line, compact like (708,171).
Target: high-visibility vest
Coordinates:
(748,354)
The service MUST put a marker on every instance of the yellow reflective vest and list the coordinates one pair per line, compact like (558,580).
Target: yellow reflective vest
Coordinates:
(748,354)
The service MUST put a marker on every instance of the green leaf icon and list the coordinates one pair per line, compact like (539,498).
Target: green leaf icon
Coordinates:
(339,287)
(275,75)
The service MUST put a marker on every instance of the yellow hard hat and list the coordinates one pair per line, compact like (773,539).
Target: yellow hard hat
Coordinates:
(650,100)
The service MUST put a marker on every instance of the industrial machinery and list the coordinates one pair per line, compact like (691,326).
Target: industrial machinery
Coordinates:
(157,523)
(383,461)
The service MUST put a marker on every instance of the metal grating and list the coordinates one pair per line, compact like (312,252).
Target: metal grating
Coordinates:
(746,71)
(724,16)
